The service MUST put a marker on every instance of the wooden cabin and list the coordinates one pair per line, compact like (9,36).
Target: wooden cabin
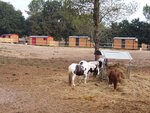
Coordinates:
(80,41)
(125,43)
(145,47)
(10,38)
(42,40)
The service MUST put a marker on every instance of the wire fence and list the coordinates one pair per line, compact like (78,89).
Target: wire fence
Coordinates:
(106,45)
(91,45)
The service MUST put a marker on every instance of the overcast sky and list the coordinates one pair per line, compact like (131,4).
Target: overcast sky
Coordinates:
(23,5)
(20,4)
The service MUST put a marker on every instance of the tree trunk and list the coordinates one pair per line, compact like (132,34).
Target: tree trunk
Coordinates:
(96,22)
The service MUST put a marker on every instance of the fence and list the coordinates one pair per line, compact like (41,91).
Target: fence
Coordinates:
(105,45)
(82,44)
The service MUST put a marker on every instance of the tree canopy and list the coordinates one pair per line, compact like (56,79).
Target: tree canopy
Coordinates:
(146,12)
(11,20)
(140,30)
(35,7)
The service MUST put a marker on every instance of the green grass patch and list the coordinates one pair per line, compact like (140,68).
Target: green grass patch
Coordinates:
(8,61)
(26,63)
(2,61)
(31,63)
(0,65)
(148,66)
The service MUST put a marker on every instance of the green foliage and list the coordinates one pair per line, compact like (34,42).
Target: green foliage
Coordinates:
(2,60)
(35,7)
(11,21)
(52,24)
(140,30)
(59,20)
(34,25)
(146,12)
(83,24)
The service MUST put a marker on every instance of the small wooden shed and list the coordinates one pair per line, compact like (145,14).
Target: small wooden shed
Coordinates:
(11,38)
(42,40)
(125,43)
(80,41)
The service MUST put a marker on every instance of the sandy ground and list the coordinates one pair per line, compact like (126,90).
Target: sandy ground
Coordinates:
(34,79)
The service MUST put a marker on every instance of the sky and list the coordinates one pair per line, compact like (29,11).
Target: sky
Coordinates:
(20,5)
(139,12)
(23,5)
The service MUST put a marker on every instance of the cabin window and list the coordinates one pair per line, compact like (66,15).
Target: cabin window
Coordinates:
(77,41)
(44,38)
(123,43)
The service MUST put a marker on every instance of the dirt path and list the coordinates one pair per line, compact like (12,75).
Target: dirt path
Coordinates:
(39,84)
(70,54)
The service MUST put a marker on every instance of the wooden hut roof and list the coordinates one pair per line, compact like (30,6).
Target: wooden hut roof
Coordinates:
(125,38)
(41,36)
(8,34)
(78,37)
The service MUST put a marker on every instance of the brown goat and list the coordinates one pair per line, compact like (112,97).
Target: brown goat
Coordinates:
(114,76)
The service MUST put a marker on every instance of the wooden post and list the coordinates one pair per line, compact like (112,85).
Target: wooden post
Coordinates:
(128,70)
(102,73)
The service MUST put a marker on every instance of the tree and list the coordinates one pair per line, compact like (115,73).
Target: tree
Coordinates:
(68,19)
(74,17)
(108,12)
(35,7)
(45,20)
(96,23)
(11,21)
(140,30)
(56,18)
(34,25)
(52,17)
(146,12)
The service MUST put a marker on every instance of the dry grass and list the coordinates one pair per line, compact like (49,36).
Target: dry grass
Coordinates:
(35,79)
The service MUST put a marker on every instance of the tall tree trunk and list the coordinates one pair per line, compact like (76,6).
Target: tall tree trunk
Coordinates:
(96,22)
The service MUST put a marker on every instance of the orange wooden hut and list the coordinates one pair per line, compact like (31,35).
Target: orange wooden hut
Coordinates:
(80,41)
(11,38)
(125,43)
(42,40)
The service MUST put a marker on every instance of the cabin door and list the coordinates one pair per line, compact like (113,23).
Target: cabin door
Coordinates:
(123,43)
(33,41)
(77,41)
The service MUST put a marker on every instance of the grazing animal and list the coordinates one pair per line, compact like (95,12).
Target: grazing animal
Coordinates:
(76,69)
(92,67)
(114,76)
(100,65)
(83,68)
(97,65)
(102,62)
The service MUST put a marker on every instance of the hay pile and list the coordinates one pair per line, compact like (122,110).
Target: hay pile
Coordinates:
(122,69)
